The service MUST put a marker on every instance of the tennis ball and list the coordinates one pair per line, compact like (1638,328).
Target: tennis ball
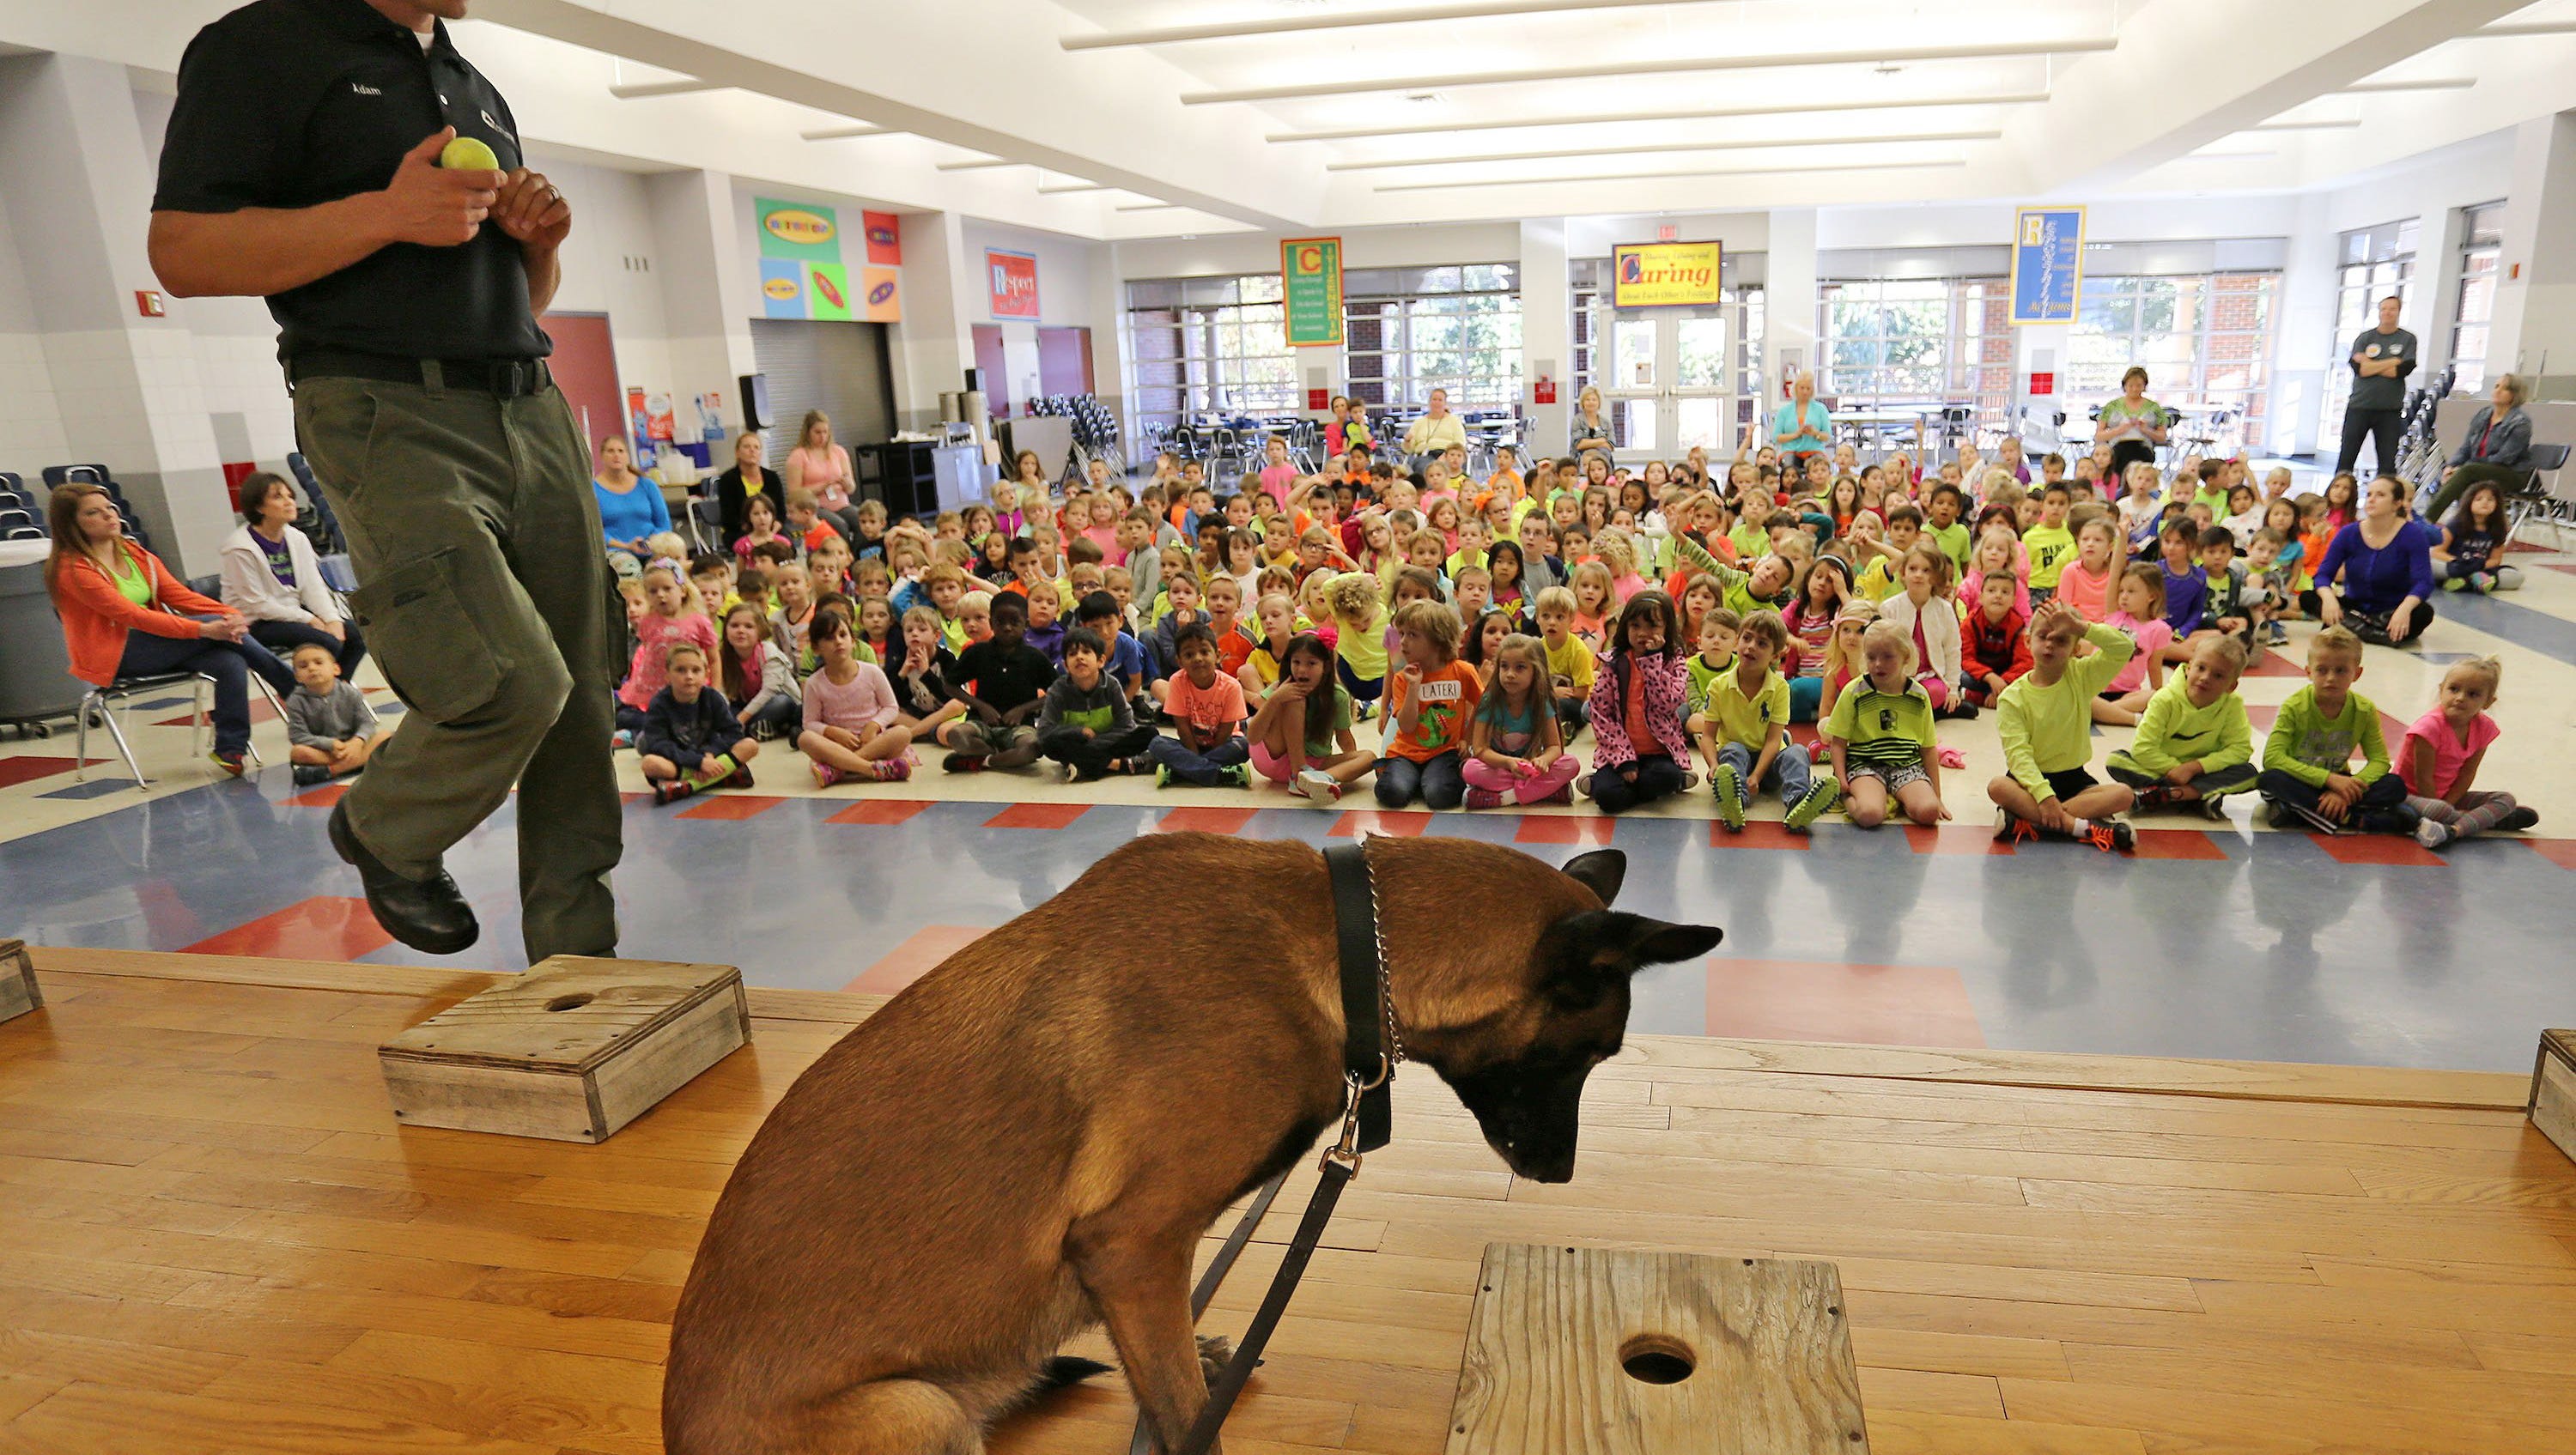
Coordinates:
(465,154)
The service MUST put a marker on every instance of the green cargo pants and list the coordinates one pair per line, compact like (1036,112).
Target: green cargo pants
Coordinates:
(486,596)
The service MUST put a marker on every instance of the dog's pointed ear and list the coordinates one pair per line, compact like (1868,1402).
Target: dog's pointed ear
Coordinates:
(1654,942)
(1602,871)
(1601,943)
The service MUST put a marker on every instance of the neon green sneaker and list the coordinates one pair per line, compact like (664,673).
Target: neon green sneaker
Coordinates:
(1822,794)
(1729,787)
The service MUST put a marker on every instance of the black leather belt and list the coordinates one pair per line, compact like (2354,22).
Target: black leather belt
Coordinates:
(504,378)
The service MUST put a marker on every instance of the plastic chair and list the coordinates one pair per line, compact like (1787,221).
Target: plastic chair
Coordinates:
(2538,493)
(325,529)
(102,702)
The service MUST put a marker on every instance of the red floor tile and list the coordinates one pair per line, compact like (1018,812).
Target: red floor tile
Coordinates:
(260,712)
(1810,1000)
(914,958)
(1037,816)
(2561,852)
(1204,820)
(28,767)
(1592,831)
(731,807)
(2385,849)
(2178,844)
(323,928)
(882,812)
(1954,838)
(1407,823)
(321,797)
(625,797)
(1758,834)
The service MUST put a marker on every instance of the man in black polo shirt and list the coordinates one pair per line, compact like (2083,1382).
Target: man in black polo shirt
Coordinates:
(2381,358)
(302,166)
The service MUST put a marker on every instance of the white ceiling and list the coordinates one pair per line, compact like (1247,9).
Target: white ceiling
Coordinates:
(1340,113)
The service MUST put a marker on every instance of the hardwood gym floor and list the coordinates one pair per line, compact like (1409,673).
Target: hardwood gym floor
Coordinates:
(214,1238)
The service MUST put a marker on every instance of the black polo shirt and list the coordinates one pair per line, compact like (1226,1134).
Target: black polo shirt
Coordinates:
(292,103)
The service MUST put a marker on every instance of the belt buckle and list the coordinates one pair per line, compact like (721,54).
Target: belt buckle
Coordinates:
(506,379)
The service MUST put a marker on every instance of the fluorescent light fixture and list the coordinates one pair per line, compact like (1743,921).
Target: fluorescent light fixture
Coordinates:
(981,164)
(2381,88)
(641,89)
(1613,118)
(1073,188)
(843,133)
(1149,207)
(1648,150)
(1675,65)
(2340,123)
(1291,25)
(2520,27)
(2225,156)
(1672,176)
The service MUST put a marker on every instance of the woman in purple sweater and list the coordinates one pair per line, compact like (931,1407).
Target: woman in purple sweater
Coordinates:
(2385,565)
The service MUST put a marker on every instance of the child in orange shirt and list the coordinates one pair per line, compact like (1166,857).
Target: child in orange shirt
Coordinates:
(1434,694)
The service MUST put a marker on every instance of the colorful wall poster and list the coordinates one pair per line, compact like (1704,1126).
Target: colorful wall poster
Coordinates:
(1013,281)
(804,231)
(1310,278)
(827,290)
(880,300)
(885,238)
(1666,275)
(2048,264)
(782,288)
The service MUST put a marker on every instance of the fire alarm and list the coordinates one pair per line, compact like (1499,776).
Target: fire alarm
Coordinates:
(148,303)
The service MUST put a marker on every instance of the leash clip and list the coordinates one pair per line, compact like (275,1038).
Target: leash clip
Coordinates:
(1346,1152)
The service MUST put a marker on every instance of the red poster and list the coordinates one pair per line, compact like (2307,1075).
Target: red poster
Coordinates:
(885,239)
(1319,399)
(1012,279)
(2043,384)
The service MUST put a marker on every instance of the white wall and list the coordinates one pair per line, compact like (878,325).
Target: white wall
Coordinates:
(31,420)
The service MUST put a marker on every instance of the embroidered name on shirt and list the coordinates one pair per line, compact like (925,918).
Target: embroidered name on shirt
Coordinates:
(361,88)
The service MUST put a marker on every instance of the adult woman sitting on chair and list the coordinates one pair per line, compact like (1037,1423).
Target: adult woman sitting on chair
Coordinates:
(272,576)
(2131,424)
(2495,448)
(121,611)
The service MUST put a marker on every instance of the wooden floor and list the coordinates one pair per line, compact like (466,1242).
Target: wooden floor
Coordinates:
(214,1238)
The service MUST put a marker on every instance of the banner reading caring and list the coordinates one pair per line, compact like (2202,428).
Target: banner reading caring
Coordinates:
(2048,264)
(1310,277)
(1666,275)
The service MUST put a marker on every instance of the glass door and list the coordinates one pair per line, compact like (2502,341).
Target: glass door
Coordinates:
(1672,385)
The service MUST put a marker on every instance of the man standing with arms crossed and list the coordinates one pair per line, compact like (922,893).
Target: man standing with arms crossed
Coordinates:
(302,165)
(2381,359)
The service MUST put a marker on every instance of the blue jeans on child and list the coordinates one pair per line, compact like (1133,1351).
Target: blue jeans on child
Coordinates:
(1195,767)
(1361,689)
(229,663)
(1439,781)
(1791,772)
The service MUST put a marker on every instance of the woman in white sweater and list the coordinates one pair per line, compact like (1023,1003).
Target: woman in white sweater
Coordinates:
(272,576)
(1922,610)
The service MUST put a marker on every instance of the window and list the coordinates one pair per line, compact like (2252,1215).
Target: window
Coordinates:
(1209,345)
(1408,331)
(2481,243)
(2205,340)
(2372,263)
(1897,341)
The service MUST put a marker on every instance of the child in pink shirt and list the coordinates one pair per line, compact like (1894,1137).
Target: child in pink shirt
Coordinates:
(2140,613)
(2439,757)
(670,616)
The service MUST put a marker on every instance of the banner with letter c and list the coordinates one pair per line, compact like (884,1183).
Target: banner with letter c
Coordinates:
(1310,284)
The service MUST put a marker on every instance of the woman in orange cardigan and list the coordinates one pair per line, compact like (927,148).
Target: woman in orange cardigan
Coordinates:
(120,609)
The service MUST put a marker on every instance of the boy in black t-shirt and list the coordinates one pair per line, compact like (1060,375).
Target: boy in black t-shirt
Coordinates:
(1001,680)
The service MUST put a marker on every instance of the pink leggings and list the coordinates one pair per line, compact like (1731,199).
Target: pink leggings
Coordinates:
(1936,689)
(1480,774)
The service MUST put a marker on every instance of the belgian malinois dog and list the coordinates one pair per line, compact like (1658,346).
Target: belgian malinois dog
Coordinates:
(1032,1138)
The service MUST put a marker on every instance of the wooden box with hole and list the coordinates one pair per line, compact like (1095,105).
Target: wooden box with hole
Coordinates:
(18,991)
(571,1051)
(1604,1351)
(2553,1090)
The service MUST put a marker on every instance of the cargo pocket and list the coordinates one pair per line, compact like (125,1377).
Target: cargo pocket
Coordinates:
(421,632)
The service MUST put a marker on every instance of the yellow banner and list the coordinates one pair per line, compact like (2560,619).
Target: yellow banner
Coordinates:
(1664,275)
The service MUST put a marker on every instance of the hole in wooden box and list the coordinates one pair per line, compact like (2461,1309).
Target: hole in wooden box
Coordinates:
(1657,1359)
(568,1002)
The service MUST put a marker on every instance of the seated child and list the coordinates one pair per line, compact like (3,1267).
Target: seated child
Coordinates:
(1045,634)
(1715,657)
(1749,711)
(2193,744)
(1361,626)
(1994,650)
(1206,706)
(1125,661)
(1277,616)
(1880,733)
(2307,756)
(1431,697)
(1085,722)
(2140,615)
(1641,750)
(851,712)
(925,702)
(670,618)
(2227,613)
(2046,722)
(328,723)
(691,739)
(1515,750)
(1570,664)
(2186,585)
(2438,759)
(1302,735)
(1009,678)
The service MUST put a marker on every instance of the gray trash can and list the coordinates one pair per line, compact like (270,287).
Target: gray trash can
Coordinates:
(36,680)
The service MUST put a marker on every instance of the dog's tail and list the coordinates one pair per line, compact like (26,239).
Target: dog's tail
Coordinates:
(1066,1370)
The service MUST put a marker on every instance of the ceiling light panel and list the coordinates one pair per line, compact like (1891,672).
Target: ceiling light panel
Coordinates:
(1778,142)
(1588,178)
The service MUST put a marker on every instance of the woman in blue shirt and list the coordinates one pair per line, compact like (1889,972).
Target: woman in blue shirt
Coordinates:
(2385,565)
(631,509)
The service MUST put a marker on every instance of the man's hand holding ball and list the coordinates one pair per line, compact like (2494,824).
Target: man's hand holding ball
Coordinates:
(447,186)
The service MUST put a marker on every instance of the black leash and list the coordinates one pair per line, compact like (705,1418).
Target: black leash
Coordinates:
(1371,1046)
